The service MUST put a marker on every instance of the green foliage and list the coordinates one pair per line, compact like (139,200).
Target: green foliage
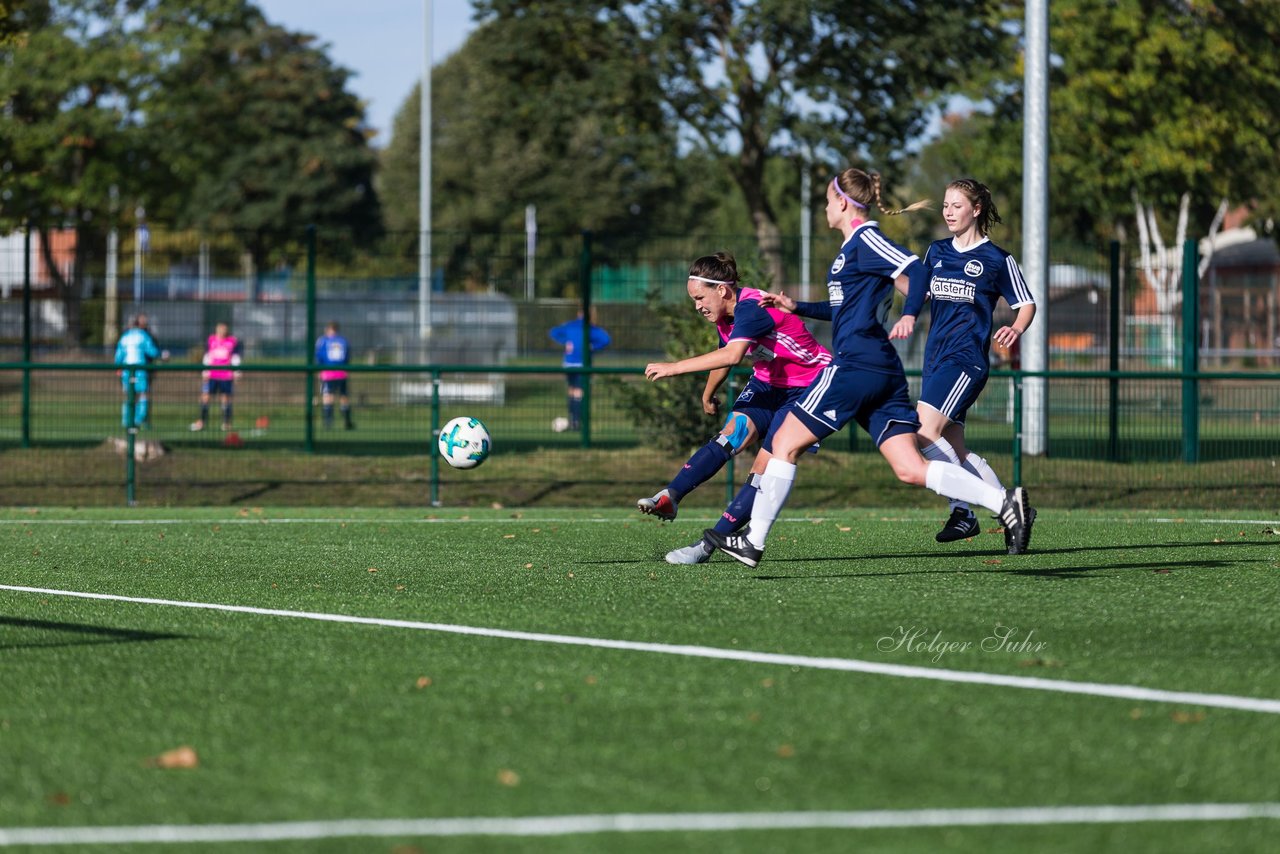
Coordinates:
(1147,98)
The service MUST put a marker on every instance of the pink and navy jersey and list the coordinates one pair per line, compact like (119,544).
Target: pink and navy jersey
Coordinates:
(218,354)
(785,352)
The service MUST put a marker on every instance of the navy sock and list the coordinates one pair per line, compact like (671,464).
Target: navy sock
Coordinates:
(226,413)
(738,513)
(346,414)
(575,411)
(702,466)
(327,410)
(204,412)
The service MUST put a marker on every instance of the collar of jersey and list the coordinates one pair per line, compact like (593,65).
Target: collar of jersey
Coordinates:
(970,247)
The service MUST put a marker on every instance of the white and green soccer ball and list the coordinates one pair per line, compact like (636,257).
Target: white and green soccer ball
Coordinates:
(464,442)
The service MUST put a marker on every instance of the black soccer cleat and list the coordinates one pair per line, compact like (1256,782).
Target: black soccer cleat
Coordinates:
(1018,517)
(736,546)
(962,525)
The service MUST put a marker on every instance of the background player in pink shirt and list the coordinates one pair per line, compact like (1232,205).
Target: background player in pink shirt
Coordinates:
(787,358)
(221,357)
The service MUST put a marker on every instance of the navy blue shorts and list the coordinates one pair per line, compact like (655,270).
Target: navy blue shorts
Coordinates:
(216,387)
(951,388)
(338,387)
(879,403)
(767,407)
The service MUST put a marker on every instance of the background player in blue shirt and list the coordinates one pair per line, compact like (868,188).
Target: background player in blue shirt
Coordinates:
(968,276)
(865,382)
(569,335)
(332,354)
(137,347)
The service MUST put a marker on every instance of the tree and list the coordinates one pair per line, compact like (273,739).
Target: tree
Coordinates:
(257,128)
(68,86)
(750,81)
(550,109)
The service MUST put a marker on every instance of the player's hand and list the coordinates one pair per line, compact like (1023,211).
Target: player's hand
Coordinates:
(659,370)
(903,328)
(1007,336)
(164,355)
(711,405)
(778,300)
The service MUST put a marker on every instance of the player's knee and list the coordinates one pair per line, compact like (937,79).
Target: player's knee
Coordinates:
(736,433)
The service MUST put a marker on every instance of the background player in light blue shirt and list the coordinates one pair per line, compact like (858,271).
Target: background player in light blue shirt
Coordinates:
(137,347)
(968,276)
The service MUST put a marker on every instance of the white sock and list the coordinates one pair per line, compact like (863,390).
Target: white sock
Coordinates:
(982,469)
(775,487)
(944,452)
(954,482)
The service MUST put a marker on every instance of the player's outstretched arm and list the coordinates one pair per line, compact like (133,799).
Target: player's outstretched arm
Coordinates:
(725,357)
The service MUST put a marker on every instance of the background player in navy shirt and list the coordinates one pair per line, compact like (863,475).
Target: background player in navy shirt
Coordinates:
(865,382)
(968,276)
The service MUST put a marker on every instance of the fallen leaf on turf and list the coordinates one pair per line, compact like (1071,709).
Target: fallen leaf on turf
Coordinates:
(786,751)
(59,799)
(993,561)
(1216,540)
(843,528)
(507,777)
(1181,717)
(399,586)
(590,680)
(1135,713)
(496,505)
(423,682)
(528,566)
(571,575)
(180,757)
(508,536)
(372,569)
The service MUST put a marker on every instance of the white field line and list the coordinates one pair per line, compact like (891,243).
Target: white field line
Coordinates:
(1097,689)
(266,520)
(563,825)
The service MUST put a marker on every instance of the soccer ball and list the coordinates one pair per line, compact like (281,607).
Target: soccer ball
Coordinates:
(559,424)
(464,443)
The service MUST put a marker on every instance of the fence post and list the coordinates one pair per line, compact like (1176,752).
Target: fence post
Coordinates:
(131,439)
(435,438)
(729,490)
(26,337)
(309,344)
(1017,427)
(584,287)
(1113,358)
(1190,353)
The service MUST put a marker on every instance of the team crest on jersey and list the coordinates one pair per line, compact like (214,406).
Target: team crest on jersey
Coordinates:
(746,395)
(838,264)
(973,268)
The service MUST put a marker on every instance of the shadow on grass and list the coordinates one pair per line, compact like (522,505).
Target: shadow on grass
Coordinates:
(86,634)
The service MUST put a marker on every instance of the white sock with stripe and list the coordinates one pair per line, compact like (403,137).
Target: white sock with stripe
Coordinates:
(943,451)
(954,482)
(982,469)
(775,487)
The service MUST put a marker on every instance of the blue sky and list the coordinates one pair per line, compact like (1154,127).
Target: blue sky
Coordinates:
(381,44)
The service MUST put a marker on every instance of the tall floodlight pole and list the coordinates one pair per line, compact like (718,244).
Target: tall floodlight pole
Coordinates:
(530,249)
(424,182)
(1035,223)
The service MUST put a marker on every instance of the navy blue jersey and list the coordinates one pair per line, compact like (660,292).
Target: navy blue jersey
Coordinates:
(965,285)
(860,291)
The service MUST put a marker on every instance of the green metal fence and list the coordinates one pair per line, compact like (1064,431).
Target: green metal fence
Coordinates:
(1129,415)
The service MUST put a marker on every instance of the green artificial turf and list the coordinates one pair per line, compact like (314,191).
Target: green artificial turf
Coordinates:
(297,719)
